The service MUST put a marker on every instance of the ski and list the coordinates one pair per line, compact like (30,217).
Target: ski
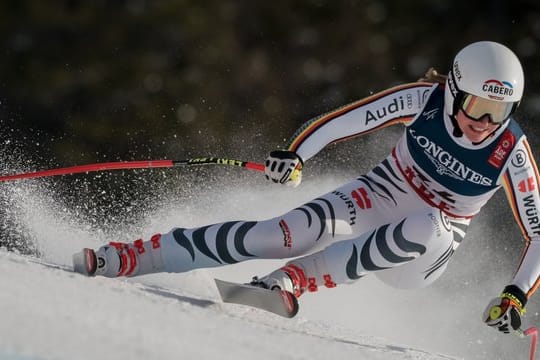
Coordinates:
(279,302)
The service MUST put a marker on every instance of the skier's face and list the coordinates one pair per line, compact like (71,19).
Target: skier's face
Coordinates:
(475,130)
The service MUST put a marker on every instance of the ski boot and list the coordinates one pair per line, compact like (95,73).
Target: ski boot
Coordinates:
(290,278)
(120,259)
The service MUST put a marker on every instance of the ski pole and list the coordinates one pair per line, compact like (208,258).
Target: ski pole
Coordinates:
(145,164)
(533,333)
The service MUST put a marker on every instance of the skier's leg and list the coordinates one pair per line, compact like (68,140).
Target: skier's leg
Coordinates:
(409,253)
(329,217)
(430,266)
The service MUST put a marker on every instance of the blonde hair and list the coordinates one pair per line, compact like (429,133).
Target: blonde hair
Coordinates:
(433,76)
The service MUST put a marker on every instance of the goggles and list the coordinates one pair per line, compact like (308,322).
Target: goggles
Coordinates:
(475,108)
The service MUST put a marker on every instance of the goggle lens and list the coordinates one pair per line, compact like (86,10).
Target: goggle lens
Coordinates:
(476,108)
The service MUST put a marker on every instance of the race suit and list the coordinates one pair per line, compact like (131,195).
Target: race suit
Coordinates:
(403,220)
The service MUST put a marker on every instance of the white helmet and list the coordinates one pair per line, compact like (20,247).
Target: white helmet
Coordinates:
(487,70)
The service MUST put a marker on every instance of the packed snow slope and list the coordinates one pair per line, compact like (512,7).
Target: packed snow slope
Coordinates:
(54,314)
(50,313)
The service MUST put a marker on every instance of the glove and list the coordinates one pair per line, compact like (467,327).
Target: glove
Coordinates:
(284,167)
(505,311)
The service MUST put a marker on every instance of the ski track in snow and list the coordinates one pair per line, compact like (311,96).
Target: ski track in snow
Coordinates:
(52,313)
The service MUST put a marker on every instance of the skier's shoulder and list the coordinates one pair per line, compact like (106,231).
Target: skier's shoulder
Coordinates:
(419,89)
(511,136)
(514,128)
(430,85)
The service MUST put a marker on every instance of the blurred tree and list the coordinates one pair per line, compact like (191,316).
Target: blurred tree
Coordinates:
(132,78)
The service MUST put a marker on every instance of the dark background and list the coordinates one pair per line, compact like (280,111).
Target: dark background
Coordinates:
(105,80)
(96,81)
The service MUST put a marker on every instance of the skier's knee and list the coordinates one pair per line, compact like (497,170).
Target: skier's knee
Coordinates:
(424,228)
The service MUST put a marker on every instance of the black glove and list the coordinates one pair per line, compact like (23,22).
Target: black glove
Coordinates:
(284,167)
(505,311)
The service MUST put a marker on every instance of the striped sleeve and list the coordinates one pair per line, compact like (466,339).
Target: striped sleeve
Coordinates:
(521,183)
(399,104)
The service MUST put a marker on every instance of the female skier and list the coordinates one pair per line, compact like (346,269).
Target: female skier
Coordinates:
(404,219)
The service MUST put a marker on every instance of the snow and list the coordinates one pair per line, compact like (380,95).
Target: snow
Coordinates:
(50,313)
(54,314)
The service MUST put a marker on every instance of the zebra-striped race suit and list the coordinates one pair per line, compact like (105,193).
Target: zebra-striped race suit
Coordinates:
(403,220)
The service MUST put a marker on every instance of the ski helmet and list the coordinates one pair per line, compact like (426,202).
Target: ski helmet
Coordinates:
(486,78)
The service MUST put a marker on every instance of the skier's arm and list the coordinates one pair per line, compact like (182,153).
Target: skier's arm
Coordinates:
(399,104)
(521,183)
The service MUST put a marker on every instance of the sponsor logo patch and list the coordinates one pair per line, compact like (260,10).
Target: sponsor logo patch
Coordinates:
(287,239)
(361,197)
(386,109)
(446,164)
(531,212)
(502,150)
(497,90)
(528,185)
(349,204)
(519,158)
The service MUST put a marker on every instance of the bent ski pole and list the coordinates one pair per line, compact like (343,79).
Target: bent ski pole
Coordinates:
(533,333)
(124,165)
